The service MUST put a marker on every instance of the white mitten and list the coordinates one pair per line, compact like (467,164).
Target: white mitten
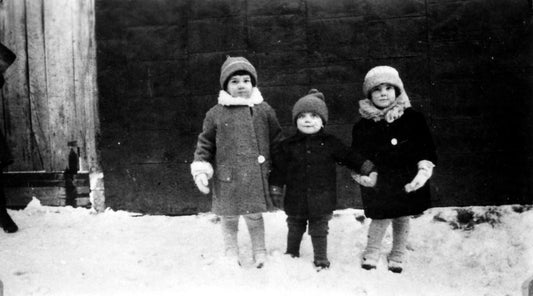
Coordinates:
(425,170)
(202,183)
(367,181)
(202,171)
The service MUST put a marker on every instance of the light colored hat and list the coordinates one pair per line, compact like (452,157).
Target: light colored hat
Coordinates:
(234,64)
(312,102)
(382,74)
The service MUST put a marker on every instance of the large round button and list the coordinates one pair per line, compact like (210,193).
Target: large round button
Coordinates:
(394,141)
(261,159)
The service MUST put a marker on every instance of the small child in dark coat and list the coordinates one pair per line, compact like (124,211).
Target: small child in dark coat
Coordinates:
(306,164)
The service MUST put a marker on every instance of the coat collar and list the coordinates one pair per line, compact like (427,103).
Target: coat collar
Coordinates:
(226,99)
(301,136)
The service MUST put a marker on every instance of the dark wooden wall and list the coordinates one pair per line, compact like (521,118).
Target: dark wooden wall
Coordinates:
(466,65)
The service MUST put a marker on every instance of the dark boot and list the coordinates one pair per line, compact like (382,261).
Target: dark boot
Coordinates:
(294,237)
(320,249)
(5,221)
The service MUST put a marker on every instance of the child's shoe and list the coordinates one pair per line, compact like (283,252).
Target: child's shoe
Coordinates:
(293,255)
(395,266)
(259,260)
(369,263)
(7,223)
(321,264)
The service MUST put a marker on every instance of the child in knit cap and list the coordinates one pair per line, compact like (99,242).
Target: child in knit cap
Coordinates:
(233,156)
(306,164)
(397,140)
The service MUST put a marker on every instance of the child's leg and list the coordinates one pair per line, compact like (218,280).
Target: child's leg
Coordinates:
(256,228)
(376,231)
(400,232)
(318,230)
(297,228)
(230,228)
(5,220)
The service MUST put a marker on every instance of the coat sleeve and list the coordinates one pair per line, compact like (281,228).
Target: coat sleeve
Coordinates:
(274,127)
(350,158)
(360,135)
(424,140)
(206,144)
(280,159)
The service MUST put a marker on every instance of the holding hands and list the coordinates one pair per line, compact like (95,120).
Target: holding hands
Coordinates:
(367,181)
(276,193)
(425,170)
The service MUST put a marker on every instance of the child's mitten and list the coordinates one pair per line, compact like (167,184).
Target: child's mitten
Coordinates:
(202,171)
(276,193)
(425,170)
(367,181)
(202,183)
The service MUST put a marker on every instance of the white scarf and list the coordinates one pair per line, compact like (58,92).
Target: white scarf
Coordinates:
(226,99)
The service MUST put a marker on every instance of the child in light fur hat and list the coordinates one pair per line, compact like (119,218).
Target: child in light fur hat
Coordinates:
(397,139)
(232,157)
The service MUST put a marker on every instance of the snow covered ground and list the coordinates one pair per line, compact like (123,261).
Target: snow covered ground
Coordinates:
(71,251)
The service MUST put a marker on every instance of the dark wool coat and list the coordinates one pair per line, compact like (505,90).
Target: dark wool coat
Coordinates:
(306,164)
(395,149)
(232,140)
(6,158)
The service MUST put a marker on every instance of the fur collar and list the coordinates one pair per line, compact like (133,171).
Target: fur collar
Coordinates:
(226,99)
(368,110)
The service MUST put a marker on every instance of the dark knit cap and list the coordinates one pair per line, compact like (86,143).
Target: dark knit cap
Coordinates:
(236,64)
(312,102)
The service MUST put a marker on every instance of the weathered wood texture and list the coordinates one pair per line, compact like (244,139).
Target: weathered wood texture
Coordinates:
(50,96)
(52,189)
(465,64)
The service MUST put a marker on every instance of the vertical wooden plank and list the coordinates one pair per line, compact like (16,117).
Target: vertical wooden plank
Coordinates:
(60,72)
(3,30)
(85,82)
(37,81)
(15,92)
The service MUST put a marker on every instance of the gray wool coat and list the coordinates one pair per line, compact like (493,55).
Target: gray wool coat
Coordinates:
(236,141)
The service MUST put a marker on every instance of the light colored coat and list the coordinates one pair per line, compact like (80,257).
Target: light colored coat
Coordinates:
(234,150)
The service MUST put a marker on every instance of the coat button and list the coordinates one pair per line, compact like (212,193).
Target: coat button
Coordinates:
(261,159)
(394,141)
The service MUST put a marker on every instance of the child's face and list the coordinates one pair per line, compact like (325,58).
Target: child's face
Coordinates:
(309,123)
(240,86)
(383,95)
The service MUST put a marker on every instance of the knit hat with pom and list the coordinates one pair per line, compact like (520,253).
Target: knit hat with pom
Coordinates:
(312,102)
(234,64)
(382,74)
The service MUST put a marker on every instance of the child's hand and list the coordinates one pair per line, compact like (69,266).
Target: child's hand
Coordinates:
(425,170)
(367,181)
(418,181)
(277,196)
(202,183)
